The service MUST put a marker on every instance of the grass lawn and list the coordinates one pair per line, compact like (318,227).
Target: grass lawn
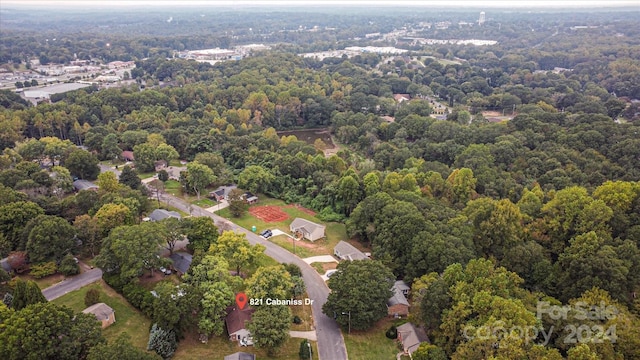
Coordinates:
(217,347)
(173,187)
(305,313)
(204,202)
(334,231)
(44,282)
(372,344)
(128,318)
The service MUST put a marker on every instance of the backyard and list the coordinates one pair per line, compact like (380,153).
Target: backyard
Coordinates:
(128,318)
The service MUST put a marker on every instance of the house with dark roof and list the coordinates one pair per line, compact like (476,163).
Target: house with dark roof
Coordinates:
(236,322)
(181,262)
(103,312)
(345,251)
(127,156)
(240,356)
(84,185)
(411,337)
(161,214)
(221,193)
(307,229)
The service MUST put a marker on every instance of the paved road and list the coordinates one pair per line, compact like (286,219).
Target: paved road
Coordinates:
(330,341)
(72,283)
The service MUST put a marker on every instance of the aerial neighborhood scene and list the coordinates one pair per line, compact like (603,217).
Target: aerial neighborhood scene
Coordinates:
(322,179)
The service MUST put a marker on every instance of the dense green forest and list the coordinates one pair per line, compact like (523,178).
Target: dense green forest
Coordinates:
(484,218)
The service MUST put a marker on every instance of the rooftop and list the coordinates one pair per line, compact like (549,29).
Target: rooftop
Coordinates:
(181,261)
(236,319)
(101,310)
(161,214)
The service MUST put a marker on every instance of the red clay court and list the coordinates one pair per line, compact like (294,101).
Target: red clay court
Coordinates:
(268,213)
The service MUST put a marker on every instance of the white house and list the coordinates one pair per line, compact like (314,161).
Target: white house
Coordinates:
(307,229)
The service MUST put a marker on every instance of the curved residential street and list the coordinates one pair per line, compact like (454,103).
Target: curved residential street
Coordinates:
(330,341)
(72,283)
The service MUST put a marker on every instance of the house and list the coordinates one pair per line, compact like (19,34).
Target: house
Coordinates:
(249,198)
(160,165)
(84,185)
(240,356)
(397,305)
(400,98)
(221,193)
(161,214)
(236,322)
(127,156)
(403,287)
(411,337)
(103,312)
(346,251)
(307,229)
(181,262)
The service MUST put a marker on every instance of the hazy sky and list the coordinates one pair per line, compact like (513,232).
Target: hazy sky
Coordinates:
(422,3)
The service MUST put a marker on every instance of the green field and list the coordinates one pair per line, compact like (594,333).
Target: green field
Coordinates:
(128,319)
(372,344)
(334,231)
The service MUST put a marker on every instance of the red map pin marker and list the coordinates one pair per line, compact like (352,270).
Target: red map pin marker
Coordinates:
(241,300)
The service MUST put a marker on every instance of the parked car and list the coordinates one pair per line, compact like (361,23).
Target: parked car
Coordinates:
(330,273)
(266,234)
(164,270)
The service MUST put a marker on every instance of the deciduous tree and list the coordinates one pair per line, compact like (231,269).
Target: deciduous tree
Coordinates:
(48,331)
(360,288)
(198,177)
(50,238)
(236,249)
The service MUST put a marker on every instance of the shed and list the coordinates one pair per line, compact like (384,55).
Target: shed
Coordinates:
(346,251)
(240,356)
(236,322)
(161,214)
(103,312)
(307,229)
(84,185)
(411,337)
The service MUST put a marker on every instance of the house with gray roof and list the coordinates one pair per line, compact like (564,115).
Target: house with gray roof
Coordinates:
(84,185)
(103,312)
(411,337)
(345,251)
(161,214)
(181,262)
(397,304)
(307,229)
(240,356)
